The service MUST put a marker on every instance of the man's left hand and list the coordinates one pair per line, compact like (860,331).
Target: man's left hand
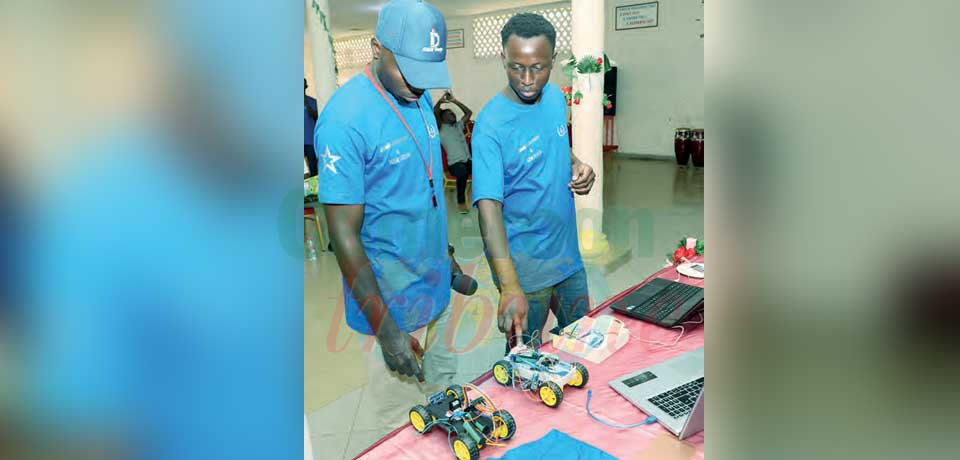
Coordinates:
(583,177)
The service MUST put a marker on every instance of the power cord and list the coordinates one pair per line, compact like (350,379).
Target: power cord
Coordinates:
(675,342)
(657,342)
(650,419)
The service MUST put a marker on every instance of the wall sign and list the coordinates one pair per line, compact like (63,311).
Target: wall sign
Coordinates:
(455,38)
(638,16)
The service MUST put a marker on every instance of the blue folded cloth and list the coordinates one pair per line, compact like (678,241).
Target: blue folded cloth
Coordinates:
(556,445)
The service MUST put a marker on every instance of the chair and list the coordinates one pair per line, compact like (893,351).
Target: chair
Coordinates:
(311,212)
(448,180)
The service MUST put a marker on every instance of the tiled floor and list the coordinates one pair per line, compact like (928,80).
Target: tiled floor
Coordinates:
(648,206)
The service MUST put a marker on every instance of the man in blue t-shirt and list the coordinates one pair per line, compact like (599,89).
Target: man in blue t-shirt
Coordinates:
(381,183)
(524,177)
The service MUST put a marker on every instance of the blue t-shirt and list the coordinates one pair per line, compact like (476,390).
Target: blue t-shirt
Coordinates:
(521,158)
(556,445)
(366,156)
(308,121)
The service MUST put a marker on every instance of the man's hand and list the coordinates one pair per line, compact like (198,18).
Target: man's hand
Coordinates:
(583,177)
(512,311)
(512,314)
(447,96)
(401,351)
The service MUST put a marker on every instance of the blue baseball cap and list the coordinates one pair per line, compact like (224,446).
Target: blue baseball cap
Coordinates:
(415,32)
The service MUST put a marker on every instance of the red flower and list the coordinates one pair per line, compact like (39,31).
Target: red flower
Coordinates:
(599,60)
(690,253)
(677,255)
(608,105)
(576,101)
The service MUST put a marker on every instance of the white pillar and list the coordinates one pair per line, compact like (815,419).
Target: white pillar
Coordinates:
(307,443)
(316,17)
(588,30)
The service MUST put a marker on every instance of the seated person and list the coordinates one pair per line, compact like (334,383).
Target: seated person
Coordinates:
(458,153)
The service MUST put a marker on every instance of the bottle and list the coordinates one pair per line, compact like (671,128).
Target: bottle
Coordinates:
(311,250)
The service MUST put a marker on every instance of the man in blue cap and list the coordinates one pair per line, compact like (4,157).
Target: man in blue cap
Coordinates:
(380,180)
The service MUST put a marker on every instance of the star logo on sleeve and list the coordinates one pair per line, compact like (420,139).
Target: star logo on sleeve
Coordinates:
(329,160)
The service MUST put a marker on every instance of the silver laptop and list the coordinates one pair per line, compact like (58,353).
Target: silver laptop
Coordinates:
(671,391)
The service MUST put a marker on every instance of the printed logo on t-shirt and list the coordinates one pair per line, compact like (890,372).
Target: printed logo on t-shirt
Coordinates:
(534,155)
(399,157)
(329,160)
(562,130)
(391,144)
(529,143)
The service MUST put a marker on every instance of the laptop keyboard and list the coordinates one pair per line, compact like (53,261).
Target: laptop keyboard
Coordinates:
(663,303)
(679,401)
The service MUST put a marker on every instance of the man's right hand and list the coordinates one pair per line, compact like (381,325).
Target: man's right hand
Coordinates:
(401,351)
(512,315)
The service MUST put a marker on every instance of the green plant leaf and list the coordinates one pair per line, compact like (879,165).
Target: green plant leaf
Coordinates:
(585,64)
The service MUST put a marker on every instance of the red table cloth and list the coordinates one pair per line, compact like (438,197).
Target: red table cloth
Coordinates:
(534,419)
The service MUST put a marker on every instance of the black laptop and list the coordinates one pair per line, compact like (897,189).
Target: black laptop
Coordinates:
(662,302)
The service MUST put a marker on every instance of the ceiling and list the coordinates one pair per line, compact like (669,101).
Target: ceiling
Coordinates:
(354,17)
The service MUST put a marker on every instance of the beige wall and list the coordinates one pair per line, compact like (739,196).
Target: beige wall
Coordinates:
(660,76)
(308,66)
(660,83)
(476,81)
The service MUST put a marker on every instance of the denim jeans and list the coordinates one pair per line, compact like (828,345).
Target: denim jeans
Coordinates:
(569,301)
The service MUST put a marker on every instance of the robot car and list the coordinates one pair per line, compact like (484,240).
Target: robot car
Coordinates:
(472,424)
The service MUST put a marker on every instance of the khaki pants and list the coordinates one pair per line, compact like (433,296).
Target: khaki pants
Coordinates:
(388,396)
